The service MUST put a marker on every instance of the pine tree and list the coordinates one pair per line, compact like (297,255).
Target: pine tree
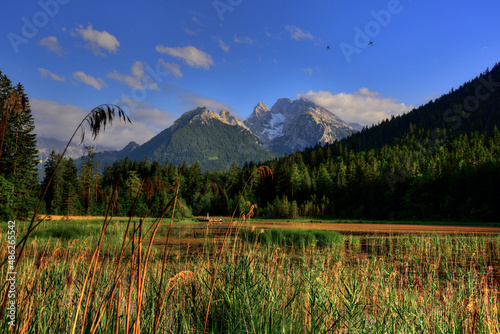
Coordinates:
(18,159)
(54,196)
(6,198)
(70,188)
(91,180)
(295,180)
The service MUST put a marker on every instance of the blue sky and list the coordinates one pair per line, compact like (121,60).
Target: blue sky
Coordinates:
(158,59)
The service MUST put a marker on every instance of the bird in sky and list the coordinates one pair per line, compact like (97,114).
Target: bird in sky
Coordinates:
(328,47)
(371,43)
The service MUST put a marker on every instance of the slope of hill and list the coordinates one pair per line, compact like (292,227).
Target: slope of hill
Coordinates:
(474,106)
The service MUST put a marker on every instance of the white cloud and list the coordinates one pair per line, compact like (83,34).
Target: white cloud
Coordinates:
(128,102)
(59,121)
(243,40)
(298,34)
(224,46)
(144,112)
(97,83)
(147,121)
(98,40)
(365,91)
(172,68)
(192,101)
(131,81)
(156,118)
(52,44)
(190,32)
(192,56)
(120,134)
(138,79)
(54,120)
(46,73)
(364,106)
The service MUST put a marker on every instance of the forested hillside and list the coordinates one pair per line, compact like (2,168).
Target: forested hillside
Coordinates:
(203,136)
(474,106)
(214,140)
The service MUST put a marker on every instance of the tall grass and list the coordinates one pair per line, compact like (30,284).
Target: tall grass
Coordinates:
(293,237)
(395,284)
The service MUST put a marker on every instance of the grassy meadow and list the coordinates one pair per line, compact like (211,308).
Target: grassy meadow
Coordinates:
(253,281)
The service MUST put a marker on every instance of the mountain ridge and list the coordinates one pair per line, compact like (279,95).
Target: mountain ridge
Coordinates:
(214,140)
(217,139)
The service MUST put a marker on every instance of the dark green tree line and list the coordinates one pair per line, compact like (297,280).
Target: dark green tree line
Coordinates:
(18,153)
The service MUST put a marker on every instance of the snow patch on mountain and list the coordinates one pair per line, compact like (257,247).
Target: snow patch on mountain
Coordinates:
(276,126)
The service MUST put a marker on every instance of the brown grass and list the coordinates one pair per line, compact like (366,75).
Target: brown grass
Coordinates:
(339,227)
(374,228)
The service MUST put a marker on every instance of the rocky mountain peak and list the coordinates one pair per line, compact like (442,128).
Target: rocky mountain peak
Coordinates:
(294,125)
(130,147)
(230,119)
(261,105)
(189,115)
(283,100)
(261,121)
(260,111)
(282,106)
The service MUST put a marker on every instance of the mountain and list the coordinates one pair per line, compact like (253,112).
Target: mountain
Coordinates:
(46,145)
(215,140)
(356,126)
(294,125)
(110,156)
